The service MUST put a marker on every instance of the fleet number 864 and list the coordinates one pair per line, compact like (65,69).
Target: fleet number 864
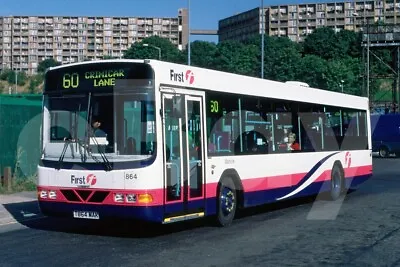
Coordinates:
(130,176)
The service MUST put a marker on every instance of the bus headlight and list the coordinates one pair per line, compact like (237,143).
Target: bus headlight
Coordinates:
(43,194)
(52,194)
(131,198)
(118,197)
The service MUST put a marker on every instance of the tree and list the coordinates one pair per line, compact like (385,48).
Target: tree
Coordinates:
(235,57)
(322,42)
(47,63)
(283,59)
(346,69)
(21,77)
(312,71)
(5,73)
(349,42)
(202,54)
(32,87)
(169,52)
(35,83)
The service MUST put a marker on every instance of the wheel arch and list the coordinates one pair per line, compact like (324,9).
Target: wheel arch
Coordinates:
(233,174)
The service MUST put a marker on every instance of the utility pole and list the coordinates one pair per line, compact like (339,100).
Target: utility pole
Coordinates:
(16,80)
(188,18)
(368,59)
(262,39)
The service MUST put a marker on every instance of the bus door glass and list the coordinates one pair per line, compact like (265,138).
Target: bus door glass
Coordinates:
(183,154)
(194,156)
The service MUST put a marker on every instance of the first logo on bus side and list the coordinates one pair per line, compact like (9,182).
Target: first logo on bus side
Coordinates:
(182,77)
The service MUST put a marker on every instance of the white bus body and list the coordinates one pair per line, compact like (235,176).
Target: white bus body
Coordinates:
(236,124)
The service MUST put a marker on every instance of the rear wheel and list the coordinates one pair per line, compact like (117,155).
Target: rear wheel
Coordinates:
(337,182)
(227,201)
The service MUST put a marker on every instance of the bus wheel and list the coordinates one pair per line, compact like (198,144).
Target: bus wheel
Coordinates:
(337,180)
(383,152)
(227,201)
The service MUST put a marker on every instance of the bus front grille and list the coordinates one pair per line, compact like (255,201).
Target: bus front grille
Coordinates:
(85,196)
(70,195)
(99,196)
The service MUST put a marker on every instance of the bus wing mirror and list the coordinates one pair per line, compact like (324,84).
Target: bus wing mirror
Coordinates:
(177,106)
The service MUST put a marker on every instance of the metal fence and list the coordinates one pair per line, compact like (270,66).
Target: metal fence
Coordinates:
(20,124)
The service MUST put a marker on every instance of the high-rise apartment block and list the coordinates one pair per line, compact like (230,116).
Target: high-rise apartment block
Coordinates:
(298,20)
(25,41)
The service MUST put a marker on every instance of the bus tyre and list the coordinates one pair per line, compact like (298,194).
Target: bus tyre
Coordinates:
(383,152)
(227,201)
(337,182)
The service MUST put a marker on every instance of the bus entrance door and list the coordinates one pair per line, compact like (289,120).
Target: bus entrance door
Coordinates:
(183,136)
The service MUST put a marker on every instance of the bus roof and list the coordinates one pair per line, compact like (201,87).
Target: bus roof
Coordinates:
(184,76)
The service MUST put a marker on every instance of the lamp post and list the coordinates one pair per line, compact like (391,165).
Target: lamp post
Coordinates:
(367,60)
(341,84)
(365,23)
(156,47)
(16,80)
(262,39)
(188,18)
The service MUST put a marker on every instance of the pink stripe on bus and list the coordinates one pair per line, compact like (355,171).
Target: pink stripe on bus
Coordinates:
(249,185)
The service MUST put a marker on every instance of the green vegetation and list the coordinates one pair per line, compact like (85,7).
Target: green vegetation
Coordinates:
(47,63)
(21,185)
(26,84)
(323,60)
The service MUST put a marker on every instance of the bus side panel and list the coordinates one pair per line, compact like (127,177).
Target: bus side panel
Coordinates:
(307,174)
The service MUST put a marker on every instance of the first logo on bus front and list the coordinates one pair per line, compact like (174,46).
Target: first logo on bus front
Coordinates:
(182,77)
(84,181)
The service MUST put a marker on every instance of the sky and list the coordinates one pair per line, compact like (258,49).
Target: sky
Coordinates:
(204,14)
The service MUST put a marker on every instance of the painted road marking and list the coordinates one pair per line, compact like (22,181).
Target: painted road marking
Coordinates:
(28,214)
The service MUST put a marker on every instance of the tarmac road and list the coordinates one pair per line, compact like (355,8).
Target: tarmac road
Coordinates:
(365,232)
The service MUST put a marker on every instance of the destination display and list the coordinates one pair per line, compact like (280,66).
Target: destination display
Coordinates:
(96,76)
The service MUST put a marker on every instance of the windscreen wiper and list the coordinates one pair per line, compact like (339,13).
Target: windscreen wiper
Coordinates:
(87,150)
(81,144)
(61,159)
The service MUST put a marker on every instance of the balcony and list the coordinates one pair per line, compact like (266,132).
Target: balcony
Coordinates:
(340,15)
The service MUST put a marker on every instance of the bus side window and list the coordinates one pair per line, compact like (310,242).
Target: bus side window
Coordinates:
(254,142)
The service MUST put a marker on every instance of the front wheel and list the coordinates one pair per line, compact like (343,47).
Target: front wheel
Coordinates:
(227,201)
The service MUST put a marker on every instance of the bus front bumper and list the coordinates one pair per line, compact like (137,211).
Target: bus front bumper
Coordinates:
(60,209)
